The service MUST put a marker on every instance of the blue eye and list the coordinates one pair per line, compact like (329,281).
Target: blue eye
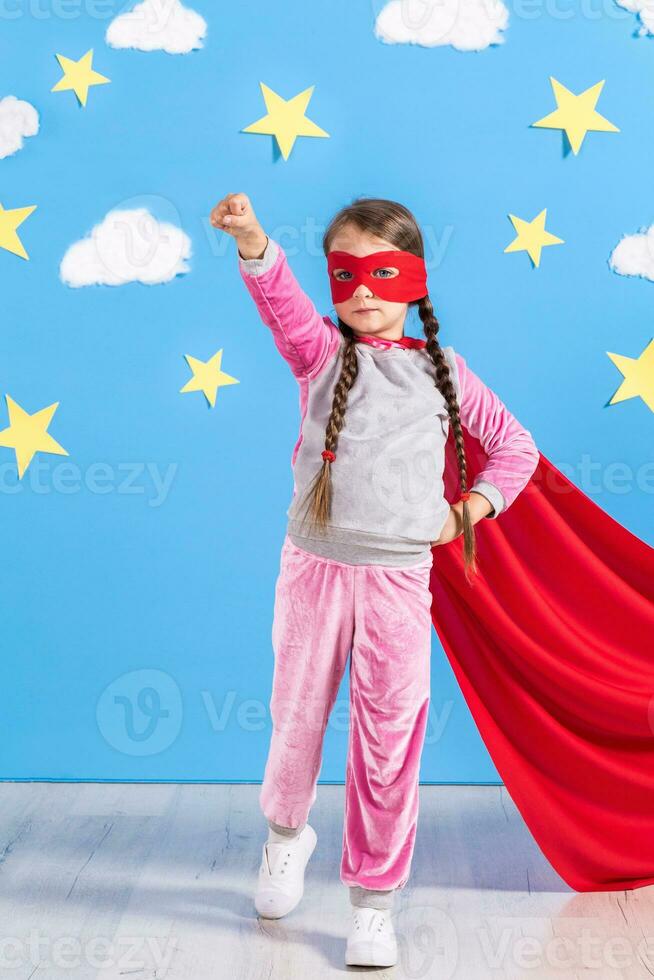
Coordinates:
(343,274)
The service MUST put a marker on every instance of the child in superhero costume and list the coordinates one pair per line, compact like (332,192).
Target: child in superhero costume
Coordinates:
(546,615)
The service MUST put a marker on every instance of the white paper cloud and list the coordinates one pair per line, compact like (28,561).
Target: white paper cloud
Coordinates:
(127,246)
(468,25)
(645,11)
(17,120)
(158,25)
(634,255)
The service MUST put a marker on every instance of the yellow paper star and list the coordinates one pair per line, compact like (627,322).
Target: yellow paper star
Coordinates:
(532,236)
(27,434)
(207,376)
(576,114)
(9,222)
(78,76)
(285,120)
(638,375)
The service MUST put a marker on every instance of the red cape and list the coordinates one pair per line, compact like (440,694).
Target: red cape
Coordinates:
(553,650)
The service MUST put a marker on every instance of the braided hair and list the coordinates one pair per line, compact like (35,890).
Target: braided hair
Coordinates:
(395,224)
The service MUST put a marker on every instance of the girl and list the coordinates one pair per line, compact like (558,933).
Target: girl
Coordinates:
(368,508)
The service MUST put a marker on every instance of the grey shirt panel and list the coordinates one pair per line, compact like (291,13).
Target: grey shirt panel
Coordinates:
(387,478)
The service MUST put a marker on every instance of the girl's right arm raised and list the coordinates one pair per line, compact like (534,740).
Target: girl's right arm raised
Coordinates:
(304,338)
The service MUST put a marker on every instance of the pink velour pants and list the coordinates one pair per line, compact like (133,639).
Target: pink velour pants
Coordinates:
(323,610)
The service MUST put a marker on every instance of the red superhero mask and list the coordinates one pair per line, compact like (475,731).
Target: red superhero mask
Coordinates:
(409,284)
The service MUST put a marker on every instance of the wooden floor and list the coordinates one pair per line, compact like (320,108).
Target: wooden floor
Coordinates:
(138,880)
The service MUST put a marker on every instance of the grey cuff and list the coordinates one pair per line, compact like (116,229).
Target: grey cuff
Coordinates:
(371,898)
(286,831)
(256,267)
(493,494)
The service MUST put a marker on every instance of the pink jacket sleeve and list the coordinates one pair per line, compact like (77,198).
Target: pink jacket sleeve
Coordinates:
(512,453)
(304,338)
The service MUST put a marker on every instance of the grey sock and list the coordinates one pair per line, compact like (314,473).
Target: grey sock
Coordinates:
(371,897)
(286,831)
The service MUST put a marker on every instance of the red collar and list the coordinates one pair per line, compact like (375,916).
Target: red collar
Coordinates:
(411,342)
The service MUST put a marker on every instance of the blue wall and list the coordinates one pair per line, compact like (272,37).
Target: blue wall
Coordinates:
(163,598)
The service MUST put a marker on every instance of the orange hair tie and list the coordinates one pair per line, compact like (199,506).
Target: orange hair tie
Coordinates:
(465,496)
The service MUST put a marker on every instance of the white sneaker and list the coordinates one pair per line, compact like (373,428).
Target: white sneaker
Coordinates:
(371,941)
(281,874)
